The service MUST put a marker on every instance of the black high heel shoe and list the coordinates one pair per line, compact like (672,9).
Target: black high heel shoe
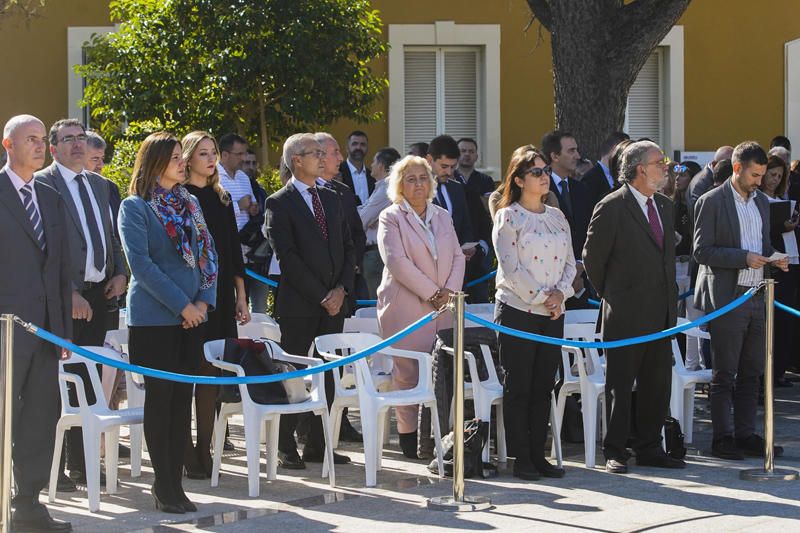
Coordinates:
(167,507)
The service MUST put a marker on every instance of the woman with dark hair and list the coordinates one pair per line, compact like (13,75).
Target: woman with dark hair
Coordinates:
(683,224)
(535,270)
(200,153)
(783,222)
(173,266)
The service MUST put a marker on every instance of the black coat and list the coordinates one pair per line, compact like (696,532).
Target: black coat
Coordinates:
(578,217)
(347,179)
(310,265)
(462,221)
(596,184)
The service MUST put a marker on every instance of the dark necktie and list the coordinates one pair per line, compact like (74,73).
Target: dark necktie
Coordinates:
(565,195)
(33,214)
(319,214)
(655,226)
(440,195)
(91,222)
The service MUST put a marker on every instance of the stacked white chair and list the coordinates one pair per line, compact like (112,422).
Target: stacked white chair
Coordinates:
(95,420)
(374,403)
(255,415)
(261,326)
(681,403)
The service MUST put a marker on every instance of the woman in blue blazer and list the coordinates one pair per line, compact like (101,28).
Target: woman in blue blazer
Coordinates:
(173,285)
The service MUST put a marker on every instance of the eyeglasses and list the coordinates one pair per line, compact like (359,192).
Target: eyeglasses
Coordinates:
(318,153)
(663,162)
(538,172)
(416,181)
(680,169)
(68,139)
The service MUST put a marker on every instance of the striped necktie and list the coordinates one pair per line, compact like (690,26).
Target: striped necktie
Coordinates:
(33,214)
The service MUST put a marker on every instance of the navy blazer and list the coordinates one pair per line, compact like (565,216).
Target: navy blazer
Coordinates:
(161,282)
(460,214)
(580,214)
(718,245)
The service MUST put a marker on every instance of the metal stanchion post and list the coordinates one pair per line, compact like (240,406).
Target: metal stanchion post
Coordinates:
(6,393)
(769,472)
(458,502)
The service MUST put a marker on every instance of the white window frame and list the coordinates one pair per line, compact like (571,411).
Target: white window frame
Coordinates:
(673,86)
(444,34)
(792,90)
(77,37)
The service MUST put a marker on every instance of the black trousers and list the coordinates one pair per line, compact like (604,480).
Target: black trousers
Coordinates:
(168,404)
(787,291)
(530,377)
(297,337)
(85,333)
(649,365)
(35,414)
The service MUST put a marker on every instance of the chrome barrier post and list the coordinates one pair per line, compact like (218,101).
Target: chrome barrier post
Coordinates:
(769,472)
(6,413)
(458,501)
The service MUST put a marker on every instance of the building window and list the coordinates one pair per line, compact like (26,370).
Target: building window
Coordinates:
(445,78)
(77,39)
(644,114)
(442,87)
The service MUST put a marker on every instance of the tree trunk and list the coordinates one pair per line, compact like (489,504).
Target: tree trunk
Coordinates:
(262,131)
(599,46)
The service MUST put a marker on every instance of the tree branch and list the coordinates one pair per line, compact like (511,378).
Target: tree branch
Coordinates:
(541,9)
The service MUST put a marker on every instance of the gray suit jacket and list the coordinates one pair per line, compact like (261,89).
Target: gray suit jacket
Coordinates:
(115,261)
(634,277)
(718,245)
(34,285)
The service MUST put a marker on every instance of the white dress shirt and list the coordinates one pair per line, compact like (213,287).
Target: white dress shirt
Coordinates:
(359,182)
(18,184)
(91,274)
(641,199)
(750,225)
(607,172)
(237,187)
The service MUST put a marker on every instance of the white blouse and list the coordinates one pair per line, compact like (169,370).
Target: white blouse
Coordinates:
(534,255)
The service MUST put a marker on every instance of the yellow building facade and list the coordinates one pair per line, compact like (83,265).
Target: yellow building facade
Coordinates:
(728,71)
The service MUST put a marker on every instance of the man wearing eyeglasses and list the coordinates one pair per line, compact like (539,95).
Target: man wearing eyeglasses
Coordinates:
(97,268)
(630,259)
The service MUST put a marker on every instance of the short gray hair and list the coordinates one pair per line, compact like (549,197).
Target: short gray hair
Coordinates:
(294,145)
(324,136)
(633,156)
(17,121)
(781,152)
(94,140)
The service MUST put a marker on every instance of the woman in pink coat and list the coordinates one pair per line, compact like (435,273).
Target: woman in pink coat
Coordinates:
(423,265)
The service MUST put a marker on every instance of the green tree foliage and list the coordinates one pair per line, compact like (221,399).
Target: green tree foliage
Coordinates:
(264,69)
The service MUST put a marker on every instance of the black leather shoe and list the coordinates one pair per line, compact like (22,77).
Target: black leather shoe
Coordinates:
(79,477)
(37,520)
(408,444)
(228,446)
(754,446)
(188,506)
(659,459)
(725,448)
(546,469)
(167,507)
(617,466)
(65,484)
(317,456)
(124,452)
(347,433)
(525,471)
(291,460)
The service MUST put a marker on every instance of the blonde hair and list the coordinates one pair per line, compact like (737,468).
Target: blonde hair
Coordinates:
(190,143)
(394,181)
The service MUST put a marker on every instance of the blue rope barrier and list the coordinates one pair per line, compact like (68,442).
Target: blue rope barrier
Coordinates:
(481,279)
(618,343)
(260,278)
(367,303)
(787,309)
(209,380)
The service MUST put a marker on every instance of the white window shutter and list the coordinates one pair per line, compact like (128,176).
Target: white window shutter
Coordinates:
(420,96)
(644,114)
(460,94)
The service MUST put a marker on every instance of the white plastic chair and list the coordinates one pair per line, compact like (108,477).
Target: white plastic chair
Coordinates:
(480,309)
(134,389)
(95,420)
(581,316)
(591,385)
(681,402)
(366,312)
(374,404)
(362,325)
(261,326)
(255,415)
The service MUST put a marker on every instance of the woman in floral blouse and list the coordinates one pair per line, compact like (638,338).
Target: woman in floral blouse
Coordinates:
(534,277)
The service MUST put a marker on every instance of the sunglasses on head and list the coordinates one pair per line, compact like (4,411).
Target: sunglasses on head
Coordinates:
(680,169)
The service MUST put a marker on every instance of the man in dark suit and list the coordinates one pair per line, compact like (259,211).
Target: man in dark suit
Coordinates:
(732,246)
(354,171)
(309,233)
(630,259)
(443,154)
(561,151)
(703,181)
(598,180)
(98,265)
(35,285)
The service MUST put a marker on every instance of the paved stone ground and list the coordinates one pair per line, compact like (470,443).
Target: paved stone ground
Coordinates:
(708,495)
